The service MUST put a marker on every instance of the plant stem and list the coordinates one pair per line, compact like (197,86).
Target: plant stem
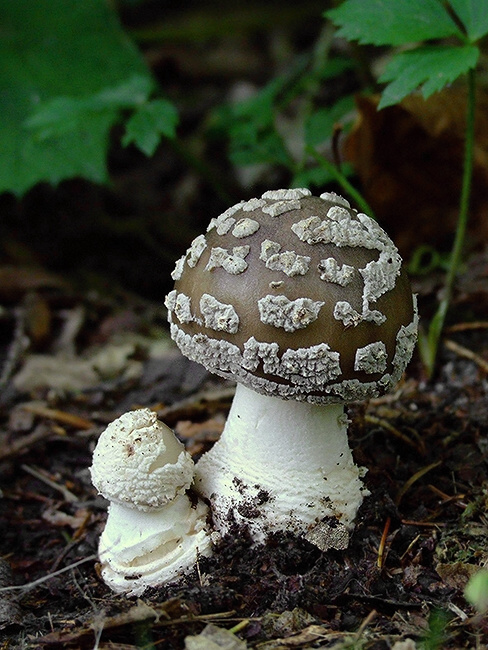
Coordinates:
(430,348)
(357,197)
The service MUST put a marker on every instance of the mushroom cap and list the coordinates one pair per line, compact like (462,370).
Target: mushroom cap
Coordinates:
(296,296)
(138,462)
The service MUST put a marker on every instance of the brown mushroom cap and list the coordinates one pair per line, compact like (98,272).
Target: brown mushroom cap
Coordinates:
(296,296)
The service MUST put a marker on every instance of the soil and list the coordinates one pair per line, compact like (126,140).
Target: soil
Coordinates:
(84,338)
(419,536)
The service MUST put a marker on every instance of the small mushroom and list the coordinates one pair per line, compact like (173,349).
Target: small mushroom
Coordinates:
(307,308)
(153,534)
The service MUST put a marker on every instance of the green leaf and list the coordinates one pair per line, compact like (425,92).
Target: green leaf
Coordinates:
(318,176)
(250,127)
(430,68)
(320,125)
(57,116)
(474,16)
(476,591)
(250,147)
(67,70)
(332,67)
(151,121)
(250,124)
(260,108)
(393,22)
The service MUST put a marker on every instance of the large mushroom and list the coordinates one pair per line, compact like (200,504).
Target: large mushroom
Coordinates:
(303,302)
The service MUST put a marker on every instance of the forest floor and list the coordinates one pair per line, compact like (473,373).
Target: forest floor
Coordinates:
(419,536)
(84,338)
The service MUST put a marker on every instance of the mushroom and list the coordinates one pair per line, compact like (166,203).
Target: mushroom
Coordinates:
(303,302)
(154,533)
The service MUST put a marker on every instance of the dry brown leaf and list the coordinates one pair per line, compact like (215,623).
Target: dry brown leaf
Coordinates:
(136,613)
(15,281)
(409,160)
(311,634)
(456,574)
(213,637)
(209,430)
(57,517)
(38,318)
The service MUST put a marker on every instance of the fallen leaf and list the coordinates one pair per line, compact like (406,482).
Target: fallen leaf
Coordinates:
(456,574)
(16,281)
(311,634)
(214,638)
(209,430)
(72,373)
(38,318)
(57,372)
(59,518)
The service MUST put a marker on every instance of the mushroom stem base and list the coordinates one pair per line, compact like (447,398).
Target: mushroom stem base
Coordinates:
(281,466)
(141,549)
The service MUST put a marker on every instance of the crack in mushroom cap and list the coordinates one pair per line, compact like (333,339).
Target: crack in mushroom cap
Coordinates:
(350,302)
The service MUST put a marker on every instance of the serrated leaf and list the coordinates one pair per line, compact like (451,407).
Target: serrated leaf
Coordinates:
(392,22)
(250,126)
(64,51)
(149,122)
(427,68)
(474,16)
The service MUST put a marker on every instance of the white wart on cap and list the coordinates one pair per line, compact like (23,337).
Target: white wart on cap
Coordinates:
(295,296)
(298,298)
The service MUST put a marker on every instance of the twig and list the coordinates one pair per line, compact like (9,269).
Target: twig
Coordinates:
(463,327)
(40,581)
(381,548)
(60,416)
(69,547)
(372,419)
(18,345)
(406,486)
(67,495)
(466,353)
(446,498)
(423,524)
(412,543)
(13,448)
(369,618)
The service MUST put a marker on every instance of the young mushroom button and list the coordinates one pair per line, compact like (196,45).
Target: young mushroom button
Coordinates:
(154,533)
(303,302)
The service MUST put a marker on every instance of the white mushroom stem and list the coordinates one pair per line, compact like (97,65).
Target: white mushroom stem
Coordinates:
(146,549)
(281,466)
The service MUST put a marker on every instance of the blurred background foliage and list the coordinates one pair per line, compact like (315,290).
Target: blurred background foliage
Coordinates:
(127,125)
(69,73)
